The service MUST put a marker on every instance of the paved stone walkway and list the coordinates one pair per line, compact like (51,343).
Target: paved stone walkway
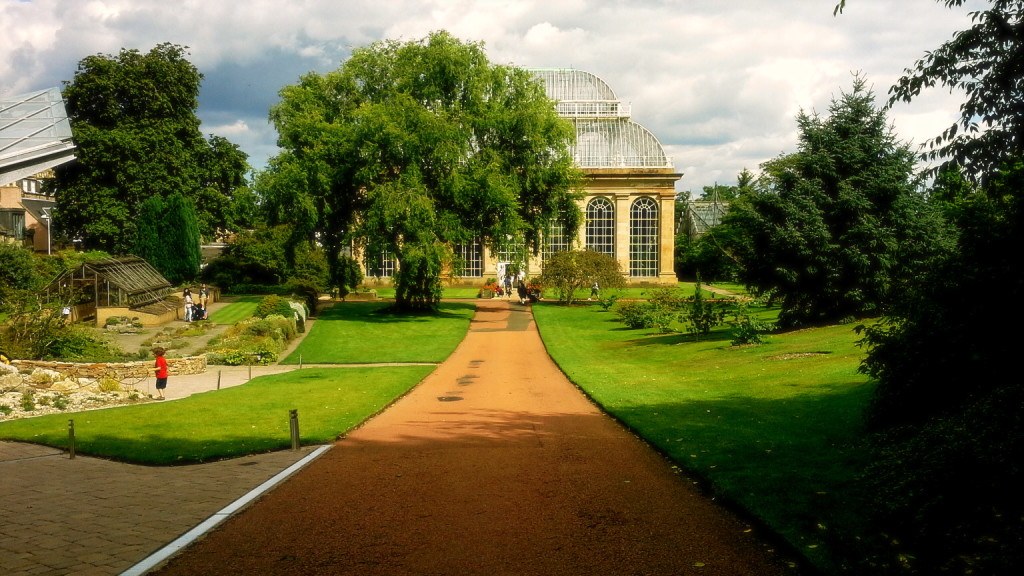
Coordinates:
(89,516)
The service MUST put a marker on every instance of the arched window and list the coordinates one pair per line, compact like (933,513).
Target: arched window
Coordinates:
(472,256)
(643,238)
(601,226)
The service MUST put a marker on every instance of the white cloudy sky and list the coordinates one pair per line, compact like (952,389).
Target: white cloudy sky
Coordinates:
(719,83)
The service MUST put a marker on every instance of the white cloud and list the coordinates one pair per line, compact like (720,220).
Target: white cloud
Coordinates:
(719,83)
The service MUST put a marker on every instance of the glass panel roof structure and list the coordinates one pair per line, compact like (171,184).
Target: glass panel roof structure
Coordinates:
(605,136)
(35,134)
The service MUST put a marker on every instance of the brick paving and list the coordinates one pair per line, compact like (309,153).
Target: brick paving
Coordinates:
(89,516)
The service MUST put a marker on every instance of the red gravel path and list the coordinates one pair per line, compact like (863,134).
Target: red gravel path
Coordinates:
(494,465)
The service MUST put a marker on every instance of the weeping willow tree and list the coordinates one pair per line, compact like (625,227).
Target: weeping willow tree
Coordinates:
(411,148)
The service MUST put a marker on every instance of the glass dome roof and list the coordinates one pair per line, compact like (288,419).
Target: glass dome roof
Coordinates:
(605,136)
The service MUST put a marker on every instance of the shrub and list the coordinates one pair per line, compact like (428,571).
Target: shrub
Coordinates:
(636,315)
(28,401)
(60,402)
(308,290)
(346,275)
(273,304)
(746,330)
(107,384)
(607,302)
(703,315)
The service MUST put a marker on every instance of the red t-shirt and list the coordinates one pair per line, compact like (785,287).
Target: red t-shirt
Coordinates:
(161,365)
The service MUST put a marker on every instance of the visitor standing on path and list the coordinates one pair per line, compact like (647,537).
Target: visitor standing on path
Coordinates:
(187,296)
(160,368)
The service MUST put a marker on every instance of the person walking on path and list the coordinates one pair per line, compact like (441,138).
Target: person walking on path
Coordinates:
(494,464)
(160,368)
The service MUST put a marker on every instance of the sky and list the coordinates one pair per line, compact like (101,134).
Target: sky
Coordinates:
(718,83)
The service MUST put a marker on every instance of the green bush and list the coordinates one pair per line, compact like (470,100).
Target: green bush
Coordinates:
(607,302)
(273,304)
(747,330)
(60,402)
(639,315)
(307,290)
(661,311)
(253,341)
(28,401)
(79,345)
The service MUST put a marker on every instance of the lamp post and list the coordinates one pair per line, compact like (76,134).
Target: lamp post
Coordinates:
(46,216)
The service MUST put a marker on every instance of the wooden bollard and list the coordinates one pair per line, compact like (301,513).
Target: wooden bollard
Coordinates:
(293,425)
(71,439)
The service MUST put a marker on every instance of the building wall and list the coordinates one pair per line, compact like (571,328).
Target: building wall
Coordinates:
(622,186)
(11,197)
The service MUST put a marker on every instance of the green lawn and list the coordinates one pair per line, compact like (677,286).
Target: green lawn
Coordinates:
(253,417)
(237,310)
(236,421)
(360,332)
(772,428)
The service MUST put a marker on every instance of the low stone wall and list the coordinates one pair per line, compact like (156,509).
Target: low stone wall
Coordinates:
(148,320)
(117,370)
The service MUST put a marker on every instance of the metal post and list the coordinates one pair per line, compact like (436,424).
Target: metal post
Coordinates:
(218,379)
(300,361)
(71,439)
(293,425)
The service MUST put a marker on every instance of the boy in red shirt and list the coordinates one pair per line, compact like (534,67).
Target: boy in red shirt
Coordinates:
(161,372)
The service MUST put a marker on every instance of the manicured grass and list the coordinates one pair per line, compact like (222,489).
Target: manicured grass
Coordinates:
(361,332)
(772,428)
(236,311)
(254,417)
(231,422)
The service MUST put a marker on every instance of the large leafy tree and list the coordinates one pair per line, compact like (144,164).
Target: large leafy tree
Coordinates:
(411,148)
(137,136)
(834,223)
(947,410)
(984,62)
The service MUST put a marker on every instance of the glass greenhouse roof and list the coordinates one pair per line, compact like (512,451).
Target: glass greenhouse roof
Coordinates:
(605,136)
(35,134)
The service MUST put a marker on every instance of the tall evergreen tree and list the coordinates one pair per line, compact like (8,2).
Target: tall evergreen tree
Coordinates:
(149,242)
(835,223)
(180,231)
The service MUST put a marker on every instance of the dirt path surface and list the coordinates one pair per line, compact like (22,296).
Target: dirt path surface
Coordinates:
(495,465)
